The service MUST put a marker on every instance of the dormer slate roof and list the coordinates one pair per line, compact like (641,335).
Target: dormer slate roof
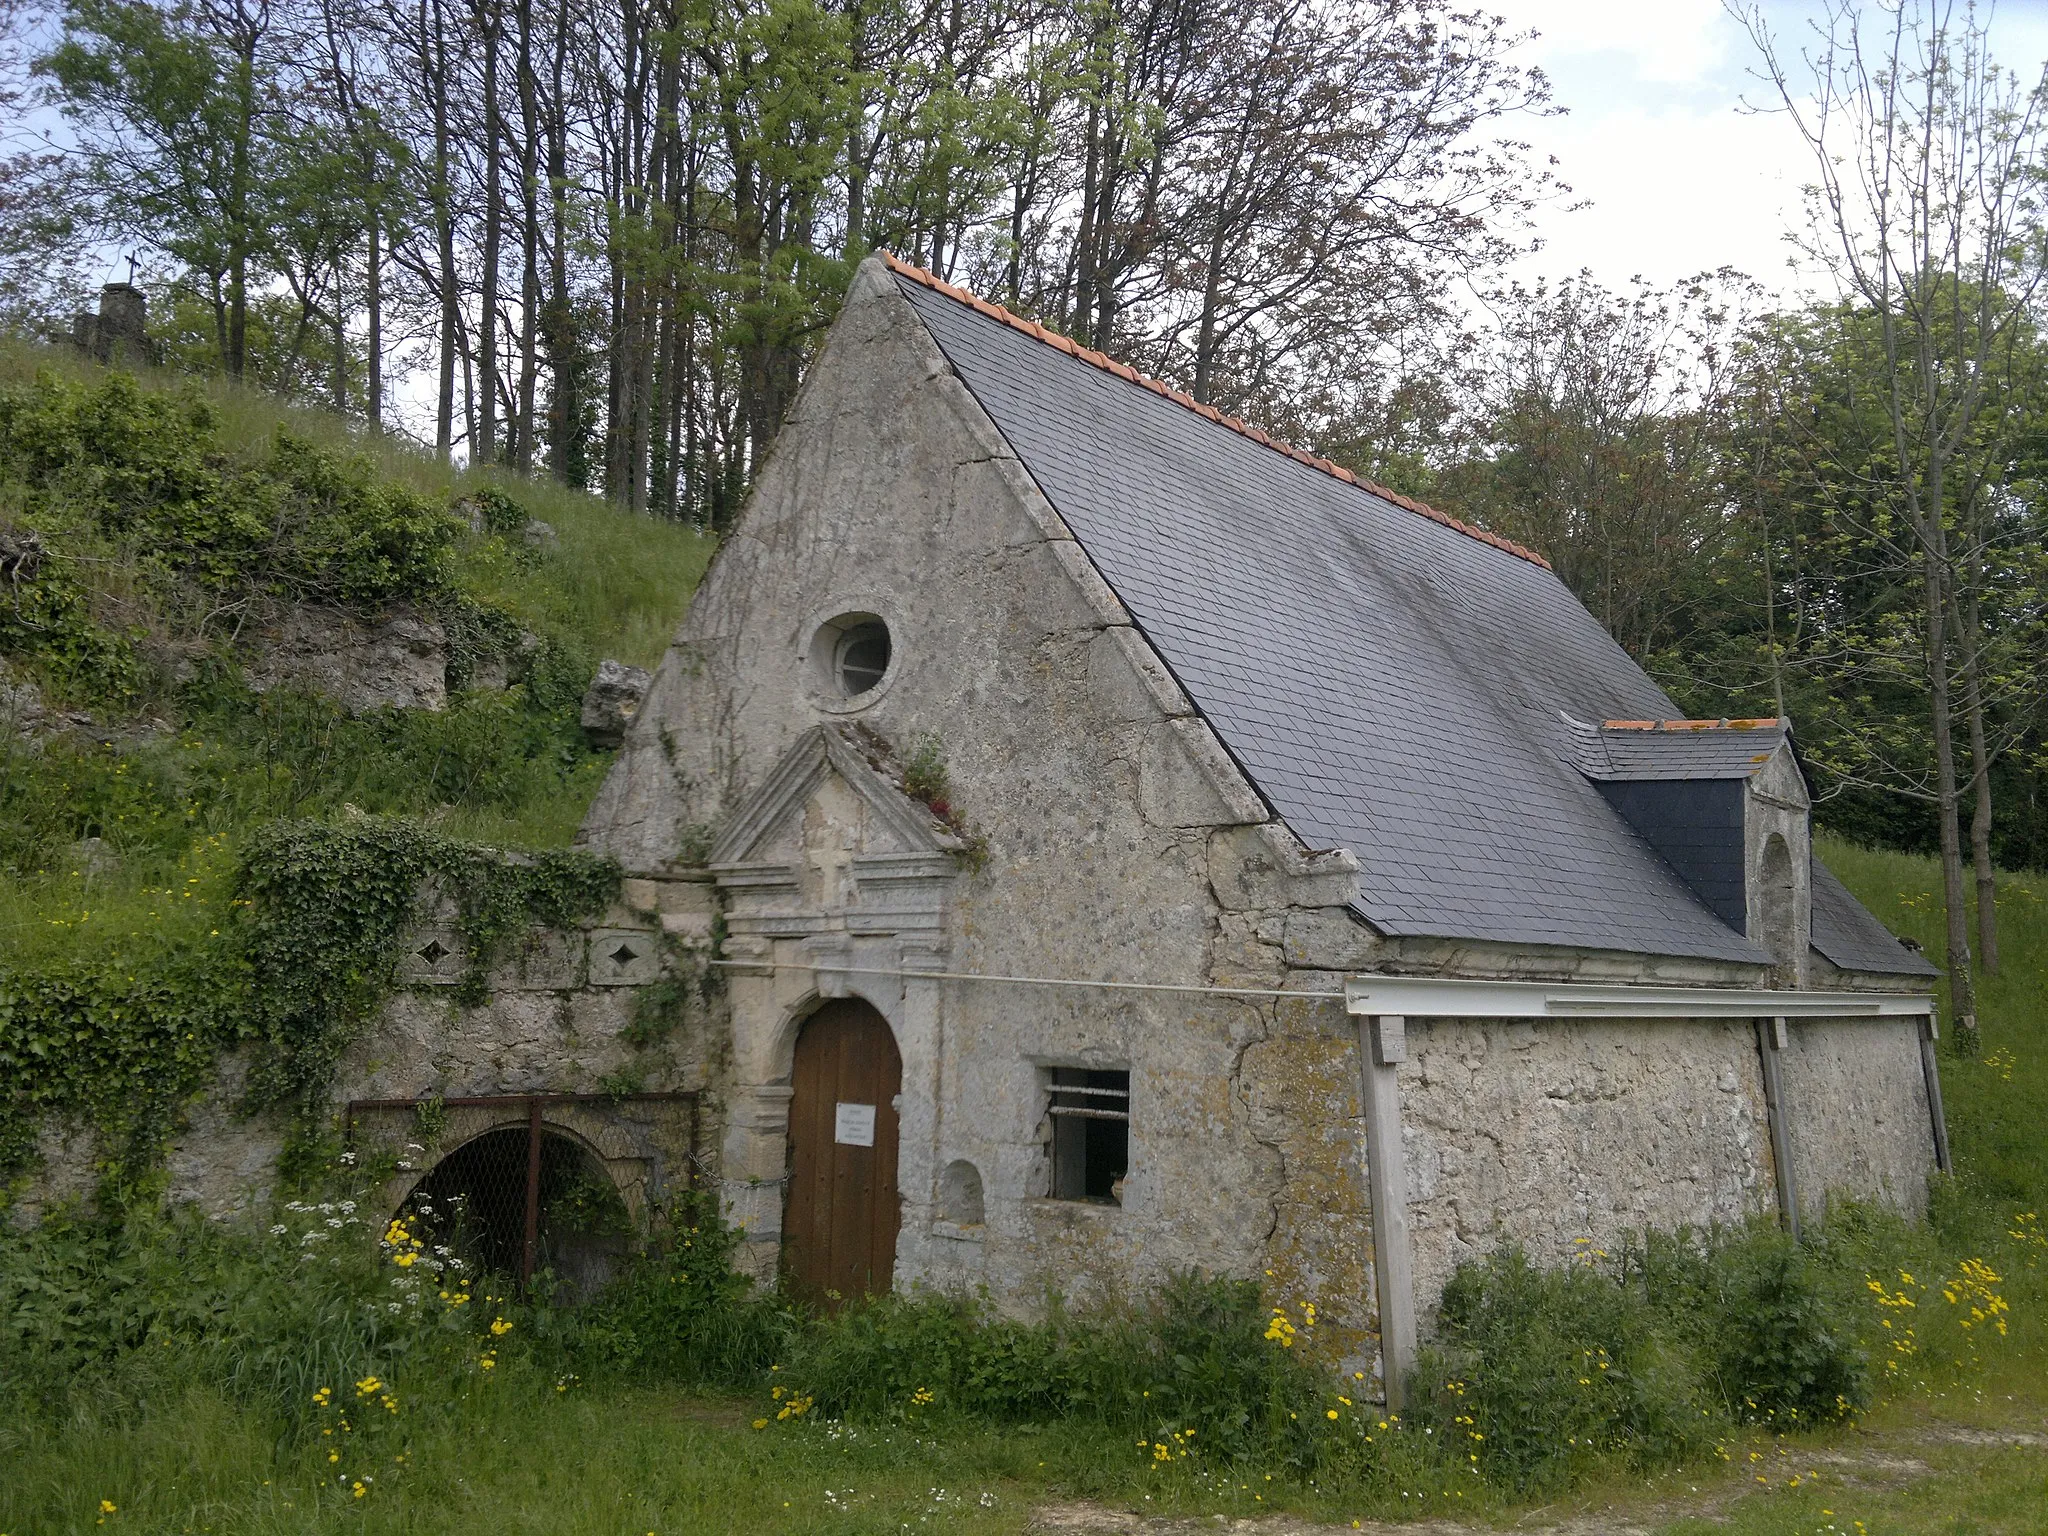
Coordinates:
(1640,751)
(1391,681)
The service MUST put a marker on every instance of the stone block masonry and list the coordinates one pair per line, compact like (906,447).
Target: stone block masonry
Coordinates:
(559,1019)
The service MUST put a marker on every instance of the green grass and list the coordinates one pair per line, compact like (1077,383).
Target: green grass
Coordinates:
(616,582)
(528,1459)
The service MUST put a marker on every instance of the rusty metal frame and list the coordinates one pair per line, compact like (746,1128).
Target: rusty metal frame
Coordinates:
(533,1104)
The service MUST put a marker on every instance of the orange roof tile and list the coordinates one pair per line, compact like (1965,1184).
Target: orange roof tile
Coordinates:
(1124,371)
(1755,724)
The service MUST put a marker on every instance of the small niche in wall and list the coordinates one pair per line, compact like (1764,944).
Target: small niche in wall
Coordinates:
(960,1197)
(1775,901)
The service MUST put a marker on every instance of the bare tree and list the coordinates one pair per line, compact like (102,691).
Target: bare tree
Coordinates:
(1926,213)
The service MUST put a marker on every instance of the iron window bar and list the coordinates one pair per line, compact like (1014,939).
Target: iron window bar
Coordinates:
(1122,1096)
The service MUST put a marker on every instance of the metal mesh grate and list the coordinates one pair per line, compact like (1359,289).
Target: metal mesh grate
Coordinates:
(514,1206)
(529,1197)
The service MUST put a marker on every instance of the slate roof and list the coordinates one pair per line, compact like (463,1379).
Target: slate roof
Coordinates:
(1391,681)
(1850,935)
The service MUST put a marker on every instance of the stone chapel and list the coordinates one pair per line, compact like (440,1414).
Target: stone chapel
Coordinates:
(1130,843)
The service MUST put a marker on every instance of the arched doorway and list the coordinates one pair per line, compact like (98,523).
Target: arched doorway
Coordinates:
(506,1212)
(839,1223)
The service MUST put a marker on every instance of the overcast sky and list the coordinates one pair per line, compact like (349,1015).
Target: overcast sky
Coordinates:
(1680,178)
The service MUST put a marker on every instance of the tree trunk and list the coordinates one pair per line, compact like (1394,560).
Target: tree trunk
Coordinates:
(468,383)
(1084,239)
(374,299)
(217,299)
(444,232)
(486,443)
(1980,783)
(1962,991)
(239,233)
(1212,298)
(565,404)
(529,241)
(338,322)
(238,314)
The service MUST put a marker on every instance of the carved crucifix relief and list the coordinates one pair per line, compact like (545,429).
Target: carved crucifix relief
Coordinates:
(832,836)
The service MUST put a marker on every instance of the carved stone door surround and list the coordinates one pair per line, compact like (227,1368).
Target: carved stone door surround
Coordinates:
(834,881)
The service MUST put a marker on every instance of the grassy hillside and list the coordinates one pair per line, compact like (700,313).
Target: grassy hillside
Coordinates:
(169,511)
(616,581)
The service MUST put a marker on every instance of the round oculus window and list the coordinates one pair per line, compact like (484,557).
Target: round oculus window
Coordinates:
(860,657)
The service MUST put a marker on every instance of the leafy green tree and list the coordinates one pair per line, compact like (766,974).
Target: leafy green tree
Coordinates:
(1927,214)
(1815,462)
(170,104)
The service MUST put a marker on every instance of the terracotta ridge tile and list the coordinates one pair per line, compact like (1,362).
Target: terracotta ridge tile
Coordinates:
(1072,348)
(1754,723)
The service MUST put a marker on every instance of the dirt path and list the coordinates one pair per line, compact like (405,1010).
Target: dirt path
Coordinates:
(1881,1461)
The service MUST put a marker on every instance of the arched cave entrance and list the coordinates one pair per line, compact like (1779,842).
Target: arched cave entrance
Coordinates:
(525,1201)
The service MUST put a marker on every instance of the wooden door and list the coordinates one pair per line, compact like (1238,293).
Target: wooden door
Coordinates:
(839,1222)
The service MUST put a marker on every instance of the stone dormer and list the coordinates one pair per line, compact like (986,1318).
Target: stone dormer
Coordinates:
(1726,804)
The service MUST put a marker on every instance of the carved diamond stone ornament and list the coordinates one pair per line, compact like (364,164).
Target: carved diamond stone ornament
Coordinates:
(624,957)
(434,957)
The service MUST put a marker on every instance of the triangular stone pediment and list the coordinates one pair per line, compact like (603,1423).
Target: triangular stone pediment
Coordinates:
(825,786)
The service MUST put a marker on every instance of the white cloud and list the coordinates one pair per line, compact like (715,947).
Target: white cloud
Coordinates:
(1678,177)
(1668,41)
(1672,192)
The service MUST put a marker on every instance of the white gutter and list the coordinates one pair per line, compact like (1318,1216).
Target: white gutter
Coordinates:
(1434,997)
(1431,997)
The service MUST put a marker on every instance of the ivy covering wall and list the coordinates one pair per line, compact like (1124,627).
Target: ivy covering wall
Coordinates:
(301,965)
(191,865)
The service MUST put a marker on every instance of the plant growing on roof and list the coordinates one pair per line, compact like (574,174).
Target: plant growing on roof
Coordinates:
(924,778)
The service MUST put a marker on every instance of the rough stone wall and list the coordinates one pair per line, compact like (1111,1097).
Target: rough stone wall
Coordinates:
(1856,1103)
(554,1022)
(399,658)
(1067,749)
(1301,1084)
(1562,1135)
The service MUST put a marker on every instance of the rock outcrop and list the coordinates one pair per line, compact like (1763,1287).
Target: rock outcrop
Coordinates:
(397,659)
(612,700)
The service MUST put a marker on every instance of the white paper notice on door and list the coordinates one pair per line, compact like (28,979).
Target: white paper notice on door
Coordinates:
(853,1125)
